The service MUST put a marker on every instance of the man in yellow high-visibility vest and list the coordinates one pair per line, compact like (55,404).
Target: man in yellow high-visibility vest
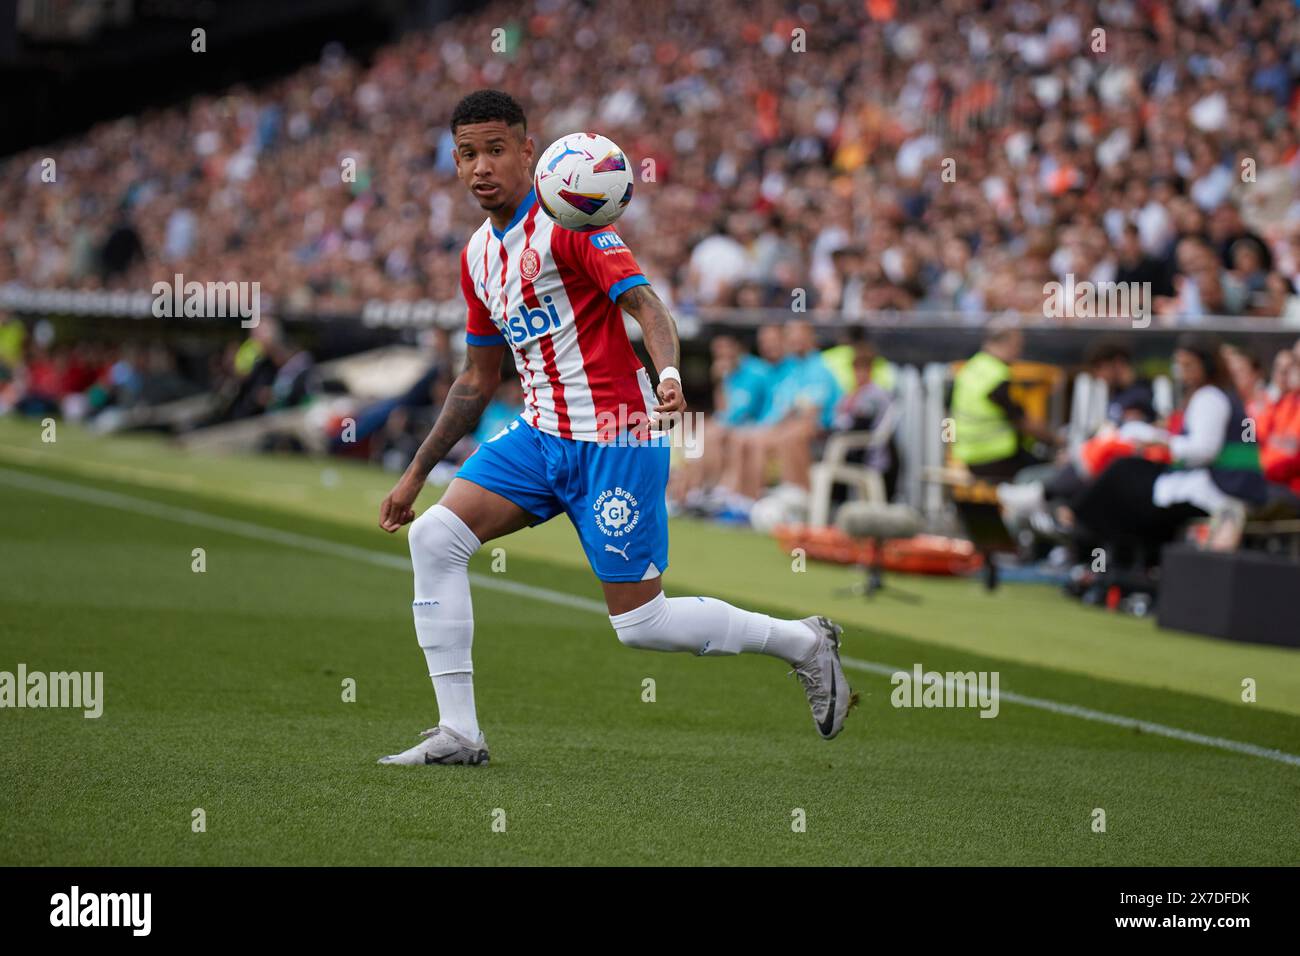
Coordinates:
(989,427)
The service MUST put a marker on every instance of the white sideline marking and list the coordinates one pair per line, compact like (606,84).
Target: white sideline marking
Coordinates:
(1101,717)
(247,529)
(154,509)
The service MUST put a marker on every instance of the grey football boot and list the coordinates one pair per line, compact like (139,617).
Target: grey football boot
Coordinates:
(442,745)
(822,676)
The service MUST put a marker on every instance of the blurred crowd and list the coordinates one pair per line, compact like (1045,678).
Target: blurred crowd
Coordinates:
(176,387)
(114,384)
(81,379)
(773,409)
(944,155)
(1226,453)
(1217,455)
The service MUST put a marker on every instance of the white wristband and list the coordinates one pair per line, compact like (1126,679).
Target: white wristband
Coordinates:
(671,372)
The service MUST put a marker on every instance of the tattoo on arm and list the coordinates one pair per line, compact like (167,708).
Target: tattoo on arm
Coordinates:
(657,325)
(460,413)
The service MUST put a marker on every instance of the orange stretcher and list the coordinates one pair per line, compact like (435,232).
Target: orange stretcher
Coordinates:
(923,554)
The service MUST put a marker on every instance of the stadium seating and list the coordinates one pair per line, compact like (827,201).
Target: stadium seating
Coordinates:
(839,193)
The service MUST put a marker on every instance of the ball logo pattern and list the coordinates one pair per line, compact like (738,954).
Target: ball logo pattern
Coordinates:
(583,181)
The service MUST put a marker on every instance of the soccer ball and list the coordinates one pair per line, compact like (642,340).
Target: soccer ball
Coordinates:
(583,181)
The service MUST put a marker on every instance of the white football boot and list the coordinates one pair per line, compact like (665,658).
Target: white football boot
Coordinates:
(442,745)
(829,693)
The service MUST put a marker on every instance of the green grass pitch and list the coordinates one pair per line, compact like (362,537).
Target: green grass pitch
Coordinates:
(224,691)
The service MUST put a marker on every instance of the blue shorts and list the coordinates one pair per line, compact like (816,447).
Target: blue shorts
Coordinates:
(613,493)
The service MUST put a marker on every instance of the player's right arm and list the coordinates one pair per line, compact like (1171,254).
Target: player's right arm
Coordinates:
(468,397)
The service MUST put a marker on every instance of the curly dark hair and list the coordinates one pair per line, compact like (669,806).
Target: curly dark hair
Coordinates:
(483,106)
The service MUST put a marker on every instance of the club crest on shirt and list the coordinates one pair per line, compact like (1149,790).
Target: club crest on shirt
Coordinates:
(530,264)
(616,511)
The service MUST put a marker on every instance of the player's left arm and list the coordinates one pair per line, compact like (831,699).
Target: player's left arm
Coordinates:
(659,332)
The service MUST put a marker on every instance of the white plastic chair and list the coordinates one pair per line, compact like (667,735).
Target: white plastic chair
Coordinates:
(864,483)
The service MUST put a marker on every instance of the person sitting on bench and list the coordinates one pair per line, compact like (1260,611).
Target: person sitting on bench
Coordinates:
(1215,469)
(1279,426)
(1131,398)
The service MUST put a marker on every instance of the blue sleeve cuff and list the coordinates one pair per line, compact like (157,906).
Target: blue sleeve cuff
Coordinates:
(622,285)
(497,339)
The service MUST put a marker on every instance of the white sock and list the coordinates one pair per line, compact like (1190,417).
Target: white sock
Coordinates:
(441,545)
(705,625)
(455,694)
(792,641)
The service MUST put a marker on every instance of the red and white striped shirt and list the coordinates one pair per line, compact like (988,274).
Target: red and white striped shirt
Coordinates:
(548,294)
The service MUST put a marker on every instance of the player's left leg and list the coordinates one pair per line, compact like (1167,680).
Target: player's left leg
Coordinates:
(621,519)
(644,617)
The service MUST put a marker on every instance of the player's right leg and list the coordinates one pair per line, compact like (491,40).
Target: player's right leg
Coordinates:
(501,489)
